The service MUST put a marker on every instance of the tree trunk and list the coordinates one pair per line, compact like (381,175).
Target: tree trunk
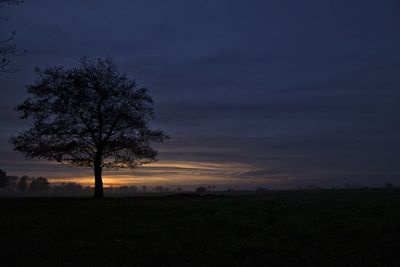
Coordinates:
(98,182)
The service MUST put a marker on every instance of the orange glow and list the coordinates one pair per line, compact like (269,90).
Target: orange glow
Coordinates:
(171,173)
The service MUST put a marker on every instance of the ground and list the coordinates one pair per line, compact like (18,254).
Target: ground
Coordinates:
(298,228)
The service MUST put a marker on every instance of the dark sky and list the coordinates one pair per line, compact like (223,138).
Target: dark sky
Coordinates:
(254,93)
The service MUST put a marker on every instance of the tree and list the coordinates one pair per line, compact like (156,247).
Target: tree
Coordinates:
(4,180)
(90,116)
(12,183)
(389,186)
(22,184)
(201,190)
(39,184)
(7,45)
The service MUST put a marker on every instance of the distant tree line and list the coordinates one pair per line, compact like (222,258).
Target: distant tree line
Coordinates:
(26,184)
(22,184)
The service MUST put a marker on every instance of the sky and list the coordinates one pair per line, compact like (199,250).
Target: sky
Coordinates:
(278,94)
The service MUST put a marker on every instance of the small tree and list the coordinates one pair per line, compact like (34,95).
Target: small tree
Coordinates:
(89,116)
(22,184)
(39,184)
(389,186)
(4,180)
(201,190)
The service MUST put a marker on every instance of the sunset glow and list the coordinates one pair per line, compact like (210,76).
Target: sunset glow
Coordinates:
(168,173)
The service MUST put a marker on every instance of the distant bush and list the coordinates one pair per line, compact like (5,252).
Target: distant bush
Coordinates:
(22,184)
(39,184)
(389,186)
(201,190)
(4,180)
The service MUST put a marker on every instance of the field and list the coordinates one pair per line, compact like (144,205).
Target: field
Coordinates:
(321,228)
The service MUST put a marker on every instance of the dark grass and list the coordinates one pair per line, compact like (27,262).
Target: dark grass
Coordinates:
(324,228)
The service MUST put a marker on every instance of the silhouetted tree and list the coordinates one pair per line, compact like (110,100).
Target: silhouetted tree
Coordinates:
(12,183)
(7,45)
(22,184)
(389,186)
(91,116)
(4,180)
(210,187)
(39,184)
(201,190)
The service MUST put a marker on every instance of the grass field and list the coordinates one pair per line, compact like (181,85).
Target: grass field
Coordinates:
(322,228)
